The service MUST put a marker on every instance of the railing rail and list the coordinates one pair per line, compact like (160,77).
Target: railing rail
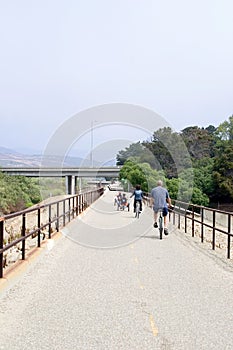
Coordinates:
(63,211)
(218,221)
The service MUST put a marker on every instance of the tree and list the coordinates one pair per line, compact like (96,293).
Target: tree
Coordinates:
(169,151)
(140,173)
(223,162)
(17,193)
(136,152)
(224,131)
(199,141)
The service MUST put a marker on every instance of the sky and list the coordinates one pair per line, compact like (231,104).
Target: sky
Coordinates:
(61,57)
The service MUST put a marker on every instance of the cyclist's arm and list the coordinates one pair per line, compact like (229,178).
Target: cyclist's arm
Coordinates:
(132,195)
(168,199)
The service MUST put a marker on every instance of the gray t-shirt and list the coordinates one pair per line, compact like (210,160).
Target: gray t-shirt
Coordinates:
(159,194)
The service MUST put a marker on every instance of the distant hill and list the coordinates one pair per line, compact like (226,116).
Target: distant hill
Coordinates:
(11,158)
(4,150)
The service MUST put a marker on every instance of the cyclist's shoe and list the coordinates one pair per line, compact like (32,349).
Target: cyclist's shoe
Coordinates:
(166,231)
(155,225)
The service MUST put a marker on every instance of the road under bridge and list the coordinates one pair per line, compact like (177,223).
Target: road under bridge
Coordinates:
(71,174)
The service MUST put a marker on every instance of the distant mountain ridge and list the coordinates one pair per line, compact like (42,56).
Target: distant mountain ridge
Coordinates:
(12,158)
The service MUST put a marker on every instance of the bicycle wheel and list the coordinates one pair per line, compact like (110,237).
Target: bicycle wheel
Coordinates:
(160,227)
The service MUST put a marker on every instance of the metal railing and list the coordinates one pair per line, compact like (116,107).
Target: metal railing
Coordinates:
(57,213)
(216,221)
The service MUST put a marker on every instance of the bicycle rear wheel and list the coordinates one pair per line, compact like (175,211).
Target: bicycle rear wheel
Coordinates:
(160,227)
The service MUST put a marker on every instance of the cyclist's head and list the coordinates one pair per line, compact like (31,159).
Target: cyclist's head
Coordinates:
(160,183)
(138,187)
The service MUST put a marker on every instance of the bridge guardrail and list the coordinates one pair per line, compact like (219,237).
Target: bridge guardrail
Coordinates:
(217,221)
(59,213)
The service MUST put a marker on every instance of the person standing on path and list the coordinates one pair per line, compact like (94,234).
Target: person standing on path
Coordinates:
(160,200)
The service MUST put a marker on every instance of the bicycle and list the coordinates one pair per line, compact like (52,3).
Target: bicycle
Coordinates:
(160,223)
(137,210)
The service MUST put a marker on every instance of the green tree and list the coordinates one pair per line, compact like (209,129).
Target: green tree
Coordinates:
(223,162)
(138,153)
(169,151)
(199,141)
(181,189)
(140,173)
(17,193)
(134,150)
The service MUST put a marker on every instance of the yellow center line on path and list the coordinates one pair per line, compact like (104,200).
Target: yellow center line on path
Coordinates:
(141,286)
(153,326)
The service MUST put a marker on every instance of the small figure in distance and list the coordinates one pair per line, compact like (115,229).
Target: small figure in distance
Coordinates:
(160,199)
(124,202)
(138,196)
(119,198)
(115,200)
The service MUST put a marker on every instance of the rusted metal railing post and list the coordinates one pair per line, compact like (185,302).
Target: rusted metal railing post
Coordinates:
(213,232)
(229,237)
(76,205)
(73,207)
(82,202)
(38,226)
(57,225)
(179,216)
(64,212)
(174,214)
(50,217)
(23,235)
(185,220)
(202,226)
(192,221)
(1,245)
(69,209)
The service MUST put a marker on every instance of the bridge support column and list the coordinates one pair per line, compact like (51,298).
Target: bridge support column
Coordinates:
(70,184)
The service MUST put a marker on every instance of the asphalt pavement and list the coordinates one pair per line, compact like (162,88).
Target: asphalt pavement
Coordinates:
(109,282)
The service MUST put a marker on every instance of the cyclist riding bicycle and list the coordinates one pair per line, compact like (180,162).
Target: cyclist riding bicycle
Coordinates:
(160,200)
(138,196)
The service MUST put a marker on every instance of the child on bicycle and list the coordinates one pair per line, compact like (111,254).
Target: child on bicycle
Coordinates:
(138,196)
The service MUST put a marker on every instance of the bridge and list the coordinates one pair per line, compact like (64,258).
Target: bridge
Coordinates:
(71,174)
(106,281)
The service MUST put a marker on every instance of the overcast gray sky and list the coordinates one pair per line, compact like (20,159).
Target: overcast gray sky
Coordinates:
(60,57)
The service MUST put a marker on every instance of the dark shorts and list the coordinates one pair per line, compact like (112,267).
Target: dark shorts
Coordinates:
(165,211)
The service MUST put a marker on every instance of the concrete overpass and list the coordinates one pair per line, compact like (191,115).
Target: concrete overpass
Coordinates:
(57,172)
(71,174)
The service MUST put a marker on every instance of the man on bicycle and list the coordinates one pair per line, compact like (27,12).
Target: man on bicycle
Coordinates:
(160,200)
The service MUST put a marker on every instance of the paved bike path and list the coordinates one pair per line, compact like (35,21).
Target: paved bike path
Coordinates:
(132,292)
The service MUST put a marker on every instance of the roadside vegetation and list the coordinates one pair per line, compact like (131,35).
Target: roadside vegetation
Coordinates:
(20,192)
(17,193)
(196,164)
